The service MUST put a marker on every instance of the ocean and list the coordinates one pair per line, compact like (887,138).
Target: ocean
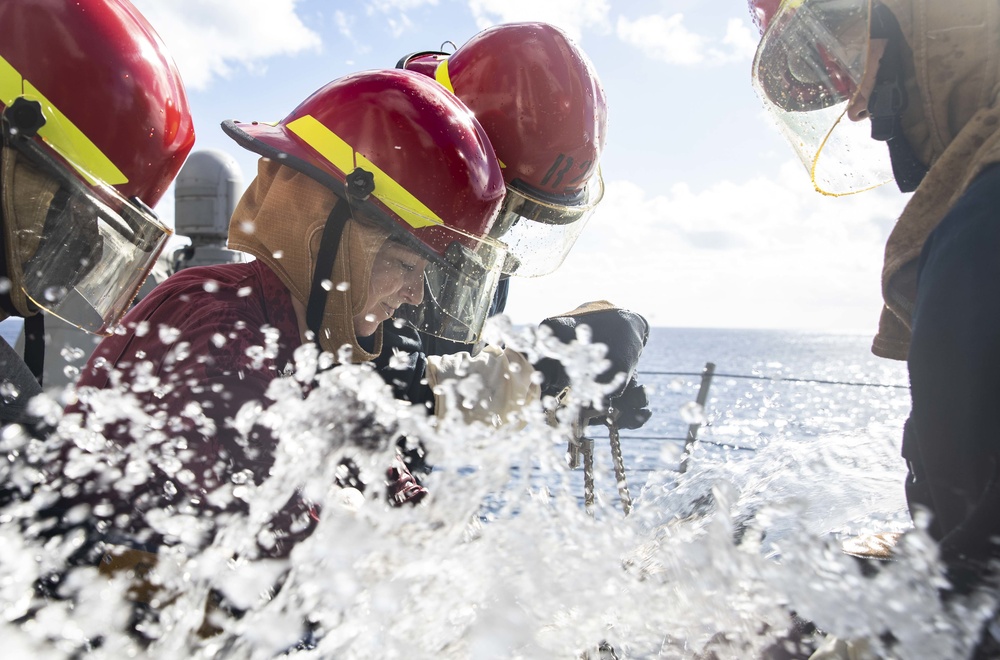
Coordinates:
(770,389)
(797,449)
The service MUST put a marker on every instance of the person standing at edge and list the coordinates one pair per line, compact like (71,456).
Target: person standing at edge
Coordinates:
(925,74)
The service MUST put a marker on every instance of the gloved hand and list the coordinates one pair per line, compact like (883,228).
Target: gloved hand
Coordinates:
(401,487)
(402,362)
(625,333)
(487,387)
(631,406)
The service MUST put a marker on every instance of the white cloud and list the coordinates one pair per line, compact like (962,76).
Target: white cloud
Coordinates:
(666,38)
(392,6)
(741,38)
(212,38)
(766,252)
(570,15)
(344,24)
(394,13)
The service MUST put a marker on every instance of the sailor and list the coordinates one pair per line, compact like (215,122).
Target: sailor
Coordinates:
(922,77)
(95,127)
(541,102)
(376,188)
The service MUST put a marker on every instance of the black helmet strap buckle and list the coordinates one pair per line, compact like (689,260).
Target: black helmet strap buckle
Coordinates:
(360,184)
(23,118)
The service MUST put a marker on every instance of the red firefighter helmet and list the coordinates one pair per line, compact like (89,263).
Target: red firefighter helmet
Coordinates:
(542,105)
(406,154)
(95,126)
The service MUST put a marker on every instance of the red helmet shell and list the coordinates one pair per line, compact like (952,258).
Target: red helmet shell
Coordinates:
(433,151)
(539,99)
(101,64)
(762,11)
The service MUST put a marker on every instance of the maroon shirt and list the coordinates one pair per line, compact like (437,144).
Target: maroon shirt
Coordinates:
(196,349)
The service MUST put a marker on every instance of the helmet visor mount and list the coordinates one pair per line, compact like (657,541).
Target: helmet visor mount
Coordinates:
(807,69)
(540,232)
(458,285)
(87,250)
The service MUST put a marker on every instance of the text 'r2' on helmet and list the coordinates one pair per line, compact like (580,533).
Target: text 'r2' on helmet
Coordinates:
(95,127)
(542,105)
(406,154)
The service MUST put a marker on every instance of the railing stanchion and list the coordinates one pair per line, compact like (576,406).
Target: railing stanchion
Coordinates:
(692,434)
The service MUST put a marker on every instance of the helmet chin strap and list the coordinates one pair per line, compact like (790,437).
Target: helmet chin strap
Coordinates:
(328,246)
(888,100)
(360,185)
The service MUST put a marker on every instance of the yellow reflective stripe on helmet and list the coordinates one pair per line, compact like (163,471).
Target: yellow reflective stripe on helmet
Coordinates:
(10,83)
(342,156)
(59,132)
(326,142)
(441,75)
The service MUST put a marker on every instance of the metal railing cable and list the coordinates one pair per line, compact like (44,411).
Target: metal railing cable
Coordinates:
(777,379)
(584,446)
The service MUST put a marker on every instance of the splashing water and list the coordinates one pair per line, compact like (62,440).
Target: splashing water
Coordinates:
(501,560)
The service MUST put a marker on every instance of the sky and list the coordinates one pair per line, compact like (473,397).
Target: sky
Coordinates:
(708,219)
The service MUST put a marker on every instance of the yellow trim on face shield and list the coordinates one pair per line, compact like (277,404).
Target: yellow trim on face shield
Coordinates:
(60,133)
(343,156)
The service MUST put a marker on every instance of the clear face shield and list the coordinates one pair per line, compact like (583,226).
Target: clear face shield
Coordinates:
(458,285)
(78,250)
(540,232)
(809,65)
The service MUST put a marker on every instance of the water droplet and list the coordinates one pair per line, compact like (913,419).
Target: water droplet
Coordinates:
(9,391)
(692,413)
(55,293)
(72,353)
(344,354)
(169,335)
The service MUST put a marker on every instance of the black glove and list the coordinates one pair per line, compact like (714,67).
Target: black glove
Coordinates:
(632,407)
(624,333)
(405,374)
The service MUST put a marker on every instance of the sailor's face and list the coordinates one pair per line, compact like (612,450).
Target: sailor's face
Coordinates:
(857,109)
(397,278)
